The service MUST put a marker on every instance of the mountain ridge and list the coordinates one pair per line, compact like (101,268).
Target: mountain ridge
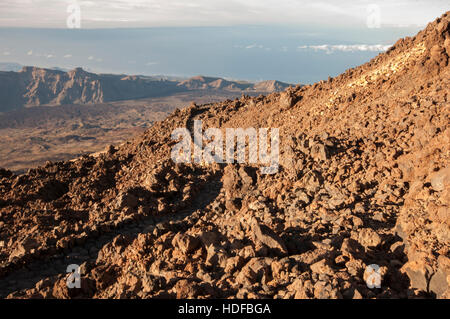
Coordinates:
(33,86)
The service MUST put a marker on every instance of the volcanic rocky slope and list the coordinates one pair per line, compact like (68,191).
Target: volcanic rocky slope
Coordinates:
(363,180)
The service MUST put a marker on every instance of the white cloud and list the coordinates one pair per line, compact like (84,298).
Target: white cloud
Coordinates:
(330,48)
(93,58)
(68,56)
(30,52)
(254,46)
(110,20)
(6,53)
(50,56)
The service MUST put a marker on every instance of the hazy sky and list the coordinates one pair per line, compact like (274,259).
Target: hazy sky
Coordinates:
(289,40)
(148,13)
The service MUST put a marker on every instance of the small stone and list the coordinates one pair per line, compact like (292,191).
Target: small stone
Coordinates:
(216,256)
(440,281)
(286,100)
(418,273)
(233,263)
(355,267)
(357,222)
(440,180)
(322,267)
(264,235)
(254,271)
(368,238)
(185,243)
(302,197)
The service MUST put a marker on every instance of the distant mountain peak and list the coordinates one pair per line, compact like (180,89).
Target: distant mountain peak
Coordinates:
(28,69)
(78,70)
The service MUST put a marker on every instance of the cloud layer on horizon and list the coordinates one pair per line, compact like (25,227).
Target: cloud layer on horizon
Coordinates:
(330,48)
(142,13)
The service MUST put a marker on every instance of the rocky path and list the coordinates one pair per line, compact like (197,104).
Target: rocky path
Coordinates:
(30,275)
